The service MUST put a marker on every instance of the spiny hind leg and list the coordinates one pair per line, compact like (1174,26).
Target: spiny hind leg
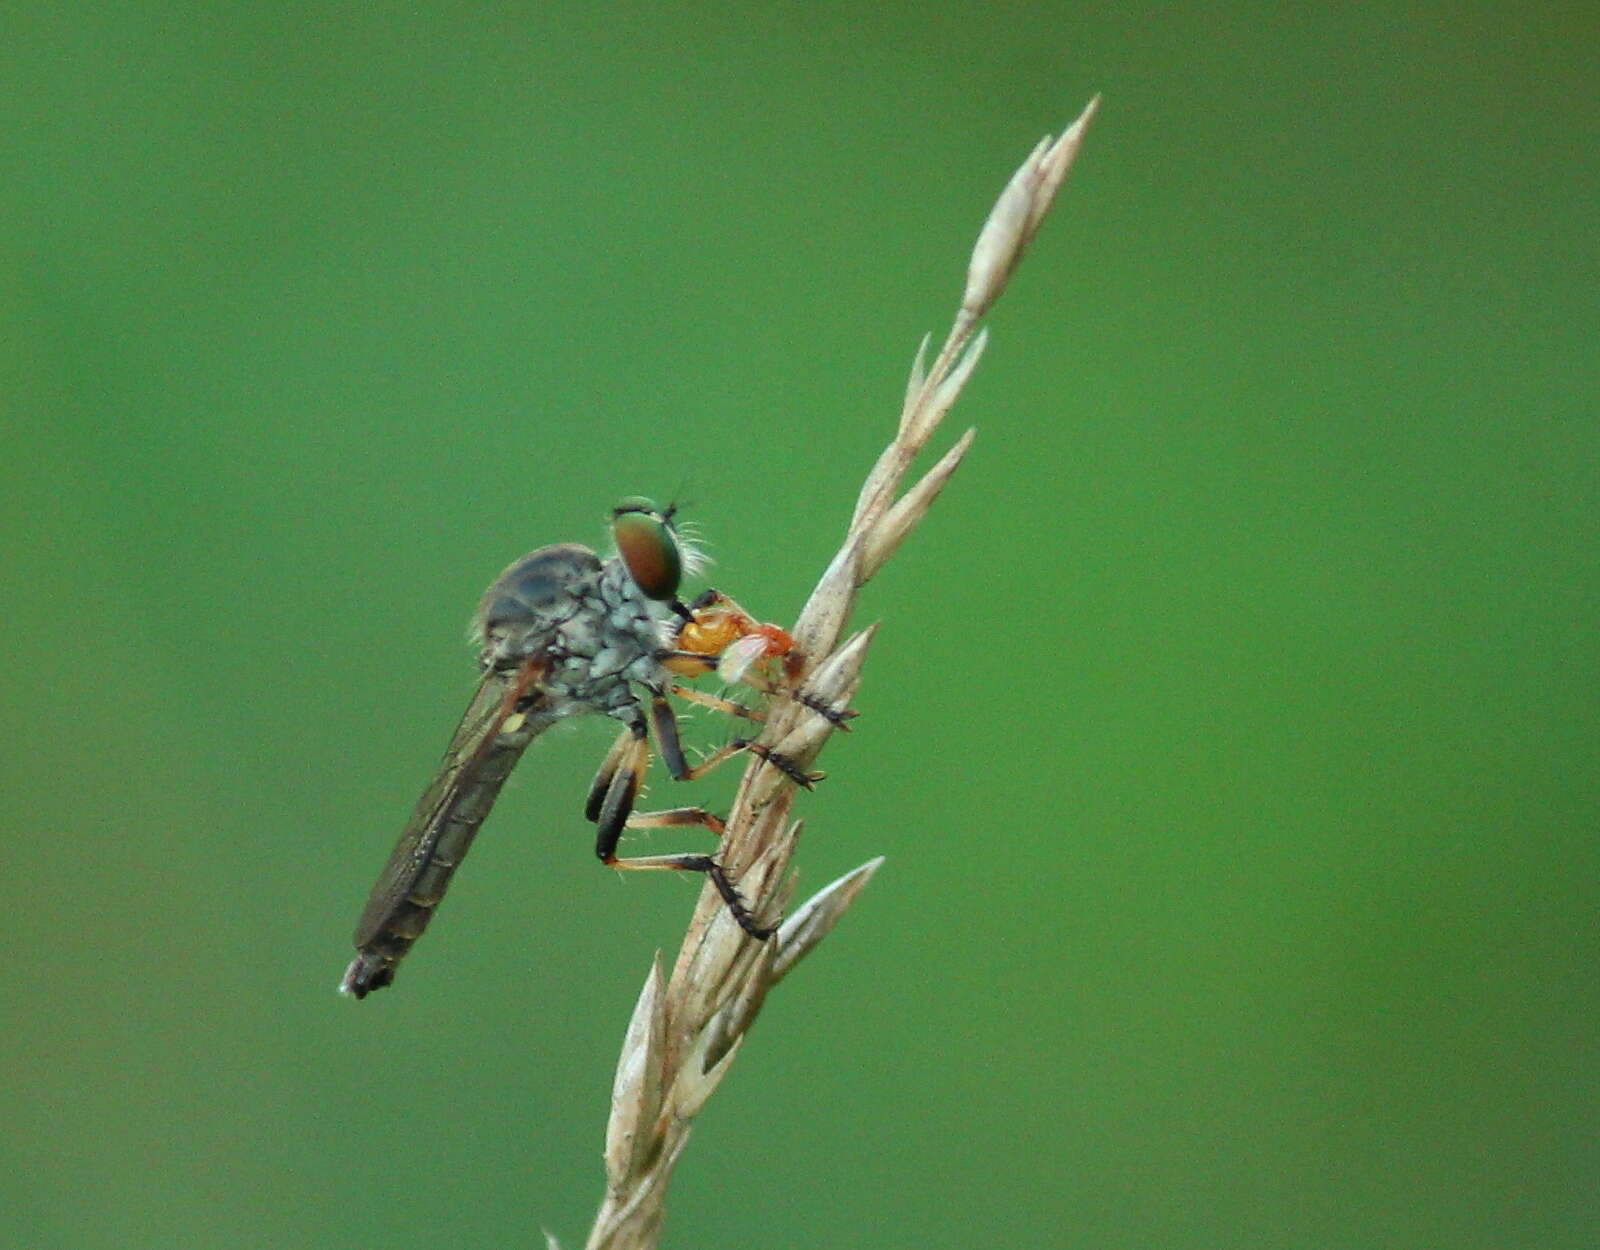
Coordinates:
(696,863)
(613,819)
(620,778)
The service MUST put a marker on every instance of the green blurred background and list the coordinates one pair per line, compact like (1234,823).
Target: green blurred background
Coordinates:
(1231,734)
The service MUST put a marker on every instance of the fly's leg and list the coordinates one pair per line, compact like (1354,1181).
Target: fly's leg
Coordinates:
(677,817)
(728,707)
(608,770)
(698,863)
(617,786)
(688,663)
(838,717)
(665,725)
(694,664)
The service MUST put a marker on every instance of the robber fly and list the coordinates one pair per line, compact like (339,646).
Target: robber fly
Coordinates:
(562,633)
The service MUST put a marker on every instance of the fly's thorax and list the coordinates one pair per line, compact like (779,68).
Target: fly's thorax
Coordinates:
(598,651)
(528,604)
(596,628)
(629,628)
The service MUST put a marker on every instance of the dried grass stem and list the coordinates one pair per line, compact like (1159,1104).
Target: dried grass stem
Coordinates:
(686,1031)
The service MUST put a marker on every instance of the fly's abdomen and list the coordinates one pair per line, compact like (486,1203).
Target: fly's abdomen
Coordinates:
(434,843)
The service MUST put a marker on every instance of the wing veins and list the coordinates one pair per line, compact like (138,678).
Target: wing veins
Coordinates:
(472,747)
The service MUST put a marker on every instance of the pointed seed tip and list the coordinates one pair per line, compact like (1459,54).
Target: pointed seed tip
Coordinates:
(863,873)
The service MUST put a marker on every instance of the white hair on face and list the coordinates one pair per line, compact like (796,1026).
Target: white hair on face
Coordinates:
(692,549)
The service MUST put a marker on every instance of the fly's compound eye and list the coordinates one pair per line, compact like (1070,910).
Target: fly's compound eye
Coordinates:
(635,503)
(648,547)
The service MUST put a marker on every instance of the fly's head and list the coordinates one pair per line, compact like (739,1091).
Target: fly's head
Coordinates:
(648,547)
(715,626)
(655,554)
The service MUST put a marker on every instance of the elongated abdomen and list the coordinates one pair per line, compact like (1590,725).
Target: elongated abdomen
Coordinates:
(485,748)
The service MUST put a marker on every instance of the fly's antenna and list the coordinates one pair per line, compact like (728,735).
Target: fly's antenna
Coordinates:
(678,500)
(692,545)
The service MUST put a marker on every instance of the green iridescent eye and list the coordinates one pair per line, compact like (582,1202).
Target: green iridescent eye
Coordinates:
(647,546)
(635,503)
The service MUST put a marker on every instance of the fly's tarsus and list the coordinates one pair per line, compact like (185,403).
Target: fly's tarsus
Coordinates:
(839,718)
(735,903)
(805,780)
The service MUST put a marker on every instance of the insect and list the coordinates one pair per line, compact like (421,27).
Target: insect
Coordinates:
(562,633)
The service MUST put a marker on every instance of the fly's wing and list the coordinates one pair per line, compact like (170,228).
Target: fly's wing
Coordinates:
(486,746)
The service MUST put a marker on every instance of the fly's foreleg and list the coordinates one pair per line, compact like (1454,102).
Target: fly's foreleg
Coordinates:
(728,707)
(693,664)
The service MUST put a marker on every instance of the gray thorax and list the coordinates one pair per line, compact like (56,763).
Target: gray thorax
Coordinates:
(598,630)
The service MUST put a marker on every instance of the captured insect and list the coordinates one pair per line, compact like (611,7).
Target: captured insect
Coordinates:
(562,633)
